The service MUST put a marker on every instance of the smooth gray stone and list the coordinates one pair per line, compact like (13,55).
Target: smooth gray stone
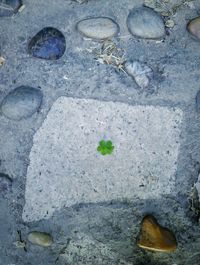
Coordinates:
(21,103)
(144,22)
(98,28)
(9,7)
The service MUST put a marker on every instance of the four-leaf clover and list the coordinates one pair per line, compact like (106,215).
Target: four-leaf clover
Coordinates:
(105,147)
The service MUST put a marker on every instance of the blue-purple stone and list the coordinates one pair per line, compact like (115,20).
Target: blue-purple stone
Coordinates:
(49,44)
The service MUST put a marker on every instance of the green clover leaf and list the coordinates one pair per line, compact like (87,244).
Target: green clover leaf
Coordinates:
(105,147)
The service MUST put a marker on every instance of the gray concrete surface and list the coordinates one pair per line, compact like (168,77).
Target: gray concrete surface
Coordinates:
(64,156)
(101,232)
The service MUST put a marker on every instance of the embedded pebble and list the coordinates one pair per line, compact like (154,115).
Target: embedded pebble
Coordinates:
(154,237)
(40,238)
(194,27)
(49,44)
(9,7)
(21,103)
(169,23)
(198,101)
(141,73)
(2,60)
(143,22)
(5,183)
(98,28)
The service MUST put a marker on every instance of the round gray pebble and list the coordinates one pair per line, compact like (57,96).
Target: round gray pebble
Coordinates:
(21,103)
(144,22)
(98,28)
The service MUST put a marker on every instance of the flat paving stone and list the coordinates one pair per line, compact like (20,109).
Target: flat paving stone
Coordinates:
(66,169)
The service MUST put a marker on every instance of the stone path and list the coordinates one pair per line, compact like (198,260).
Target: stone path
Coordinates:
(74,73)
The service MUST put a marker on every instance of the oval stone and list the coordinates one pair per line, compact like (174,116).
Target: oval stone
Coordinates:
(9,7)
(40,238)
(49,44)
(194,27)
(98,28)
(144,22)
(21,103)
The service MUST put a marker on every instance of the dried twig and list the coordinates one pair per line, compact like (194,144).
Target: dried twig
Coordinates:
(110,54)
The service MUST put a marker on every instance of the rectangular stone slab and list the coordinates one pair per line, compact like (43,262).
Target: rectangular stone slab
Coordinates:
(65,167)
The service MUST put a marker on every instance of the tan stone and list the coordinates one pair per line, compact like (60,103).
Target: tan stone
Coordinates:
(98,28)
(194,27)
(155,237)
(40,238)
(169,23)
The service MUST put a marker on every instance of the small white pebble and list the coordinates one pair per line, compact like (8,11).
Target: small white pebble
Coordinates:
(21,8)
(2,60)
(169,23)
(65,77)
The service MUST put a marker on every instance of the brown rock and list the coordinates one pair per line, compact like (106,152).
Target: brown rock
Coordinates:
(194,27)
(155,237)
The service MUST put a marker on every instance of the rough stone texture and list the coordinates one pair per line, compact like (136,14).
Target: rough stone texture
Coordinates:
(21,103)
(78,250)
(145,23)
(175,62)
(98,28)
(64,156)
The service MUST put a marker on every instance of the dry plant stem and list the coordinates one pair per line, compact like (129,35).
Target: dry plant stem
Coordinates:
(109,54)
